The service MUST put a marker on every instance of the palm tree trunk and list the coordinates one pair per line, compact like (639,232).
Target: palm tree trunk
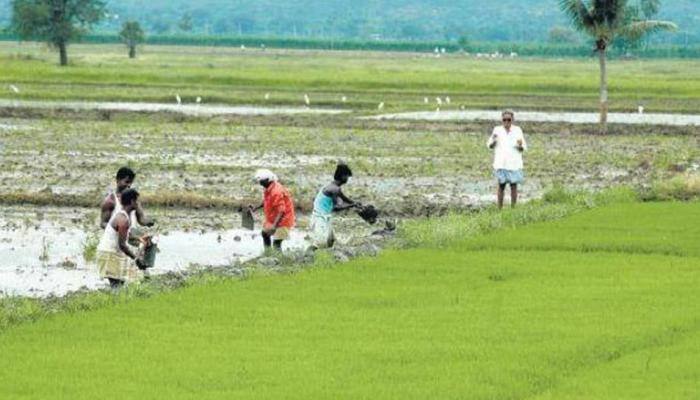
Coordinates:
(602,54)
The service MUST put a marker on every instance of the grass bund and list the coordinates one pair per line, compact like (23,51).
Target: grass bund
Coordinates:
(400,81)
(601,304)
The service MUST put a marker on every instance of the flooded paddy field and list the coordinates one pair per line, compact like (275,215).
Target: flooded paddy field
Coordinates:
(638,118)
(194,173)
(187,109)
(50,250)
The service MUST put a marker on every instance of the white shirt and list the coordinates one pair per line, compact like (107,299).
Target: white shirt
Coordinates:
(506,153)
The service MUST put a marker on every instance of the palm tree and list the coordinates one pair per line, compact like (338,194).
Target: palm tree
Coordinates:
(604,20)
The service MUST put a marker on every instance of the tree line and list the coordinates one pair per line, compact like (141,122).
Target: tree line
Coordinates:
(404,20)
(608,23)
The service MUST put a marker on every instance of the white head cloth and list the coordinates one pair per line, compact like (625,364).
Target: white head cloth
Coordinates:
(265,175)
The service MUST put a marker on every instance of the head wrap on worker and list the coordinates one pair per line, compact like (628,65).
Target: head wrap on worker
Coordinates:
(265,175)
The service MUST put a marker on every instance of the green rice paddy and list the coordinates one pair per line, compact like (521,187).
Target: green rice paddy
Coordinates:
(603,304)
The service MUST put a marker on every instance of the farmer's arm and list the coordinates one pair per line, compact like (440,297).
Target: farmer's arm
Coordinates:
(280,208)
(278,212)
(123,230)
(106,213)
(141,216)
(493,139)
(278,219)
(523,146)
(344,204)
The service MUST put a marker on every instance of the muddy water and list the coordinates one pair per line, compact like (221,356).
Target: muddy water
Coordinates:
(566,117)
(189,109)
(44,256)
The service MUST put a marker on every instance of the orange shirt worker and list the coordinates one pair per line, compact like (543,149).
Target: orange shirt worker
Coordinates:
(278,208)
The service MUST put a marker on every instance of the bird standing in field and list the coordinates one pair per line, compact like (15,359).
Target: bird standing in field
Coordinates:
(199,100)
(307,100)
(14,88)
(178,99)
(380,106)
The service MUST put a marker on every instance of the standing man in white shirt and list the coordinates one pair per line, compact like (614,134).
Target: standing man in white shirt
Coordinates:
(508,144)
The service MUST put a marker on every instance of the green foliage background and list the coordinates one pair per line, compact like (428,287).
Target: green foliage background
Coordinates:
(504,20)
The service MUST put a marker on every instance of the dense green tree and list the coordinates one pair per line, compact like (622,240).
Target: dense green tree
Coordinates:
(58,22)
(463,42)
(132,35)
(603,21)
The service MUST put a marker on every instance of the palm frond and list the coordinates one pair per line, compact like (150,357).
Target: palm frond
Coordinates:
(578,13)
(637,30)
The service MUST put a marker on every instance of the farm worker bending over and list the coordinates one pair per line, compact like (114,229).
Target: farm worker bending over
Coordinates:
(508,144)
(328,200)
(116,260)
(278,207)
(112,203)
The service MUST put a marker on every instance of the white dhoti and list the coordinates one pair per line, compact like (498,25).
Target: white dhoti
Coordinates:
(322,230)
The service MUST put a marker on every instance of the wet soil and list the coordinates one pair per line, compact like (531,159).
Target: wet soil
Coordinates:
(44,248)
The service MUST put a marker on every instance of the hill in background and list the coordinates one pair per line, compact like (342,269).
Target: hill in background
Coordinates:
(474,20)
